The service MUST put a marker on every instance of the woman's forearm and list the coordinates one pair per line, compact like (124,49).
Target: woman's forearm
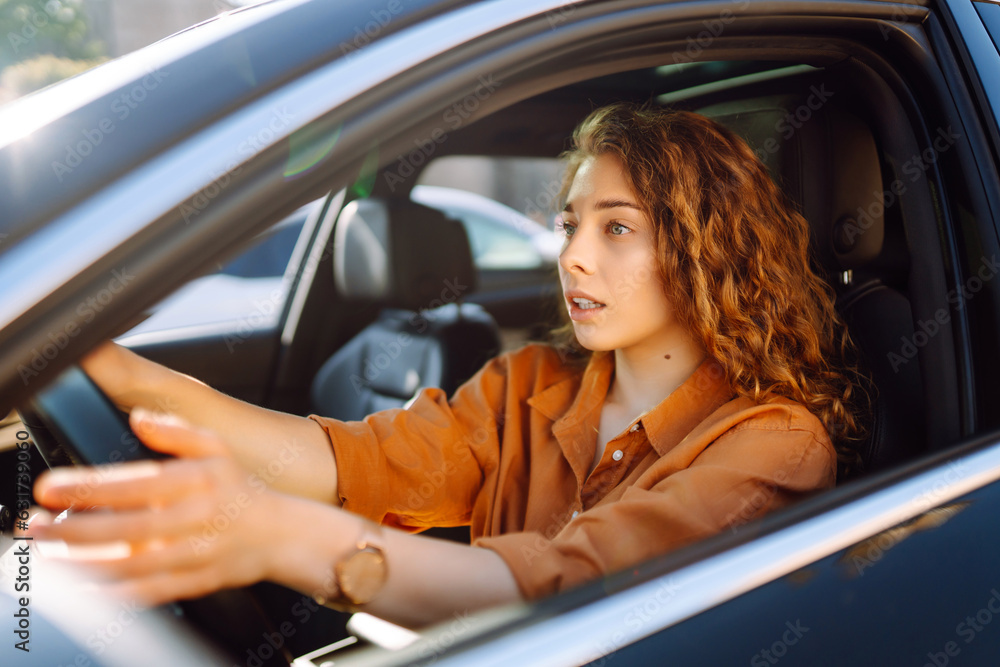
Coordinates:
(196,524)
(288,453)
(429,580)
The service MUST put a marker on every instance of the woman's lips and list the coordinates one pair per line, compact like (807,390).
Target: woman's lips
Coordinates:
(585,310)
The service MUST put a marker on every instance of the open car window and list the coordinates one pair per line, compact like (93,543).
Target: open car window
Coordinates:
(862,133)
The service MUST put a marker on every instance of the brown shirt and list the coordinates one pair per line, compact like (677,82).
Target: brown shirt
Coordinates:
(509,455)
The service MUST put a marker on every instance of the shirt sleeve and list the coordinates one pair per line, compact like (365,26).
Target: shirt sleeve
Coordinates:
(424,465)
(745,473)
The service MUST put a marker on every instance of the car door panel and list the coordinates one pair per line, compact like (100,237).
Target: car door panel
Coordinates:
(923,593)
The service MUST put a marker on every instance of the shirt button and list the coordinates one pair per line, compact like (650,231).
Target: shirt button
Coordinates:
(574,515)
(635,427)
(617,456)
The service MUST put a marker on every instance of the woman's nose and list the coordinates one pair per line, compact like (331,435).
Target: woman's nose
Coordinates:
(577,255)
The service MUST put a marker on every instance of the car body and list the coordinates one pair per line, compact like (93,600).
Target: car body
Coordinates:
(124,183)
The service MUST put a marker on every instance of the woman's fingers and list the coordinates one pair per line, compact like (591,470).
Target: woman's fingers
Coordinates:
(161,587)
(143,483)
(150,558)
(179,568)
(107,365)
(125,486)
(172,435)
(166,529)
(188,517)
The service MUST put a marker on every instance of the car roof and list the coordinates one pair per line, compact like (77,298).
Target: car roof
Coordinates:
(189,79)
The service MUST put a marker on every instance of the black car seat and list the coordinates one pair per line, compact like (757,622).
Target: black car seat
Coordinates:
(829,166)
(415,263)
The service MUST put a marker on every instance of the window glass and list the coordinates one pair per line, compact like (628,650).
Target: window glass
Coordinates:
(508,206)
(527,185)
(495,246)
(249,290)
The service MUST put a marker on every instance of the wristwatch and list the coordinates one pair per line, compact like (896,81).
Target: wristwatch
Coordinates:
(359,577)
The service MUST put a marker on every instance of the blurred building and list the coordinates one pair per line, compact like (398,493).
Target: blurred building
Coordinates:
(127,25)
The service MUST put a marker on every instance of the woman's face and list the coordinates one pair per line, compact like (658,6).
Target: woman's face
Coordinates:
(608,268)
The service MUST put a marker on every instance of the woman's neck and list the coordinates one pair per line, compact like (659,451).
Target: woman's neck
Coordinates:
(644,377)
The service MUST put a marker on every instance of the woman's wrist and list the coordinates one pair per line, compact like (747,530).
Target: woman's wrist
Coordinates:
(322,536)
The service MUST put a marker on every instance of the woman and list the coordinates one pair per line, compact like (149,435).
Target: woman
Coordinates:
(700,383)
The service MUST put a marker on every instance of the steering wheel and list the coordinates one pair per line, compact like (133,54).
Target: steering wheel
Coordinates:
(72,422)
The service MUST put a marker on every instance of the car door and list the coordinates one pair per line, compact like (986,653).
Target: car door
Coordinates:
(508,51)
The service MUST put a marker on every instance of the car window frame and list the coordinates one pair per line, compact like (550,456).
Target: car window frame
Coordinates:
(341,173)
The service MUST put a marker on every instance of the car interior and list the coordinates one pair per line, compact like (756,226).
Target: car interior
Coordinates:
(822,142)
(367,322)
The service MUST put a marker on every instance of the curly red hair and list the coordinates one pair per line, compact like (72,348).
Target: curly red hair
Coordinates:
(734,261)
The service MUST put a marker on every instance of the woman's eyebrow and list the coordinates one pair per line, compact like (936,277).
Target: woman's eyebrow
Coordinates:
(604,204)
(614,203)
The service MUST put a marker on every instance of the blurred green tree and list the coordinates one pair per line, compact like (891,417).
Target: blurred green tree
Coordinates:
(31,28)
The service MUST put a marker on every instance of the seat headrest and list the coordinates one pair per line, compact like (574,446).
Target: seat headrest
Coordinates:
(826,160)
(401,255)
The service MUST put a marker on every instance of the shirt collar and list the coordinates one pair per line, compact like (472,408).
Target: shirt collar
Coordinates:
(571,400)
(678,414)
(577,395)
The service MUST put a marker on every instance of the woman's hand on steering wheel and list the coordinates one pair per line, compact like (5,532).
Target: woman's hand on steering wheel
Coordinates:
(192,524)
(126,378)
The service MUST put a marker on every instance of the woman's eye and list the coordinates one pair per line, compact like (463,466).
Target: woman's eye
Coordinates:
(618,229)
(568,228)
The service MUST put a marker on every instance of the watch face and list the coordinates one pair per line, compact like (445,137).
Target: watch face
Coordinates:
(362,575)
